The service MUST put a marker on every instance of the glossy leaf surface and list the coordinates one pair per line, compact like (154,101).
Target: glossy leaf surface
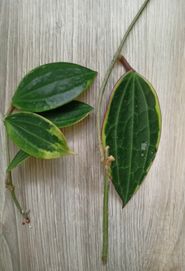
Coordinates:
(64,116)
(68,114)
(131,129)
(36,135)
(18,159)
(52,85)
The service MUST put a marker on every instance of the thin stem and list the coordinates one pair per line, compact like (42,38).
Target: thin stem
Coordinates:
(101,147)
(105,220)
(9,182)
(11,188)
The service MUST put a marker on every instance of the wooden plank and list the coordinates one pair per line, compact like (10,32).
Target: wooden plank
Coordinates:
(65,195)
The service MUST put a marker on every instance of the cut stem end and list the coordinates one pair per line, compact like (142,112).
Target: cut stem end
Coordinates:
(104,259)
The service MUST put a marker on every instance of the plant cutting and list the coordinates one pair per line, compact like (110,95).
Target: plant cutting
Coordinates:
(44,102)
(130,133)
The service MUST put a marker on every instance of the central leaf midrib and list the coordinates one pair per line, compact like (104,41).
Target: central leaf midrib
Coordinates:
(32,134)
(48,83)
(131,141)
(50,96)
(116,125)
(41,118)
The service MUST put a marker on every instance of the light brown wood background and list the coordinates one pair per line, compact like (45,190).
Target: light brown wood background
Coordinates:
(65,195)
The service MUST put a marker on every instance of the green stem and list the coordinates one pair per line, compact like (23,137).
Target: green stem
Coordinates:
(9,182)
(105,220)
(11,188)
(101,147)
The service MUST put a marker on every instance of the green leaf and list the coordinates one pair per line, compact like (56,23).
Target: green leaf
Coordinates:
(131,129)
(52,85)
(36,135)
(68,114)
(64,116)
(17,160)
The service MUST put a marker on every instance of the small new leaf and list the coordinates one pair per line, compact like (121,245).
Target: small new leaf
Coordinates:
(17,160)
(131,129)
(36,135)
(52,85)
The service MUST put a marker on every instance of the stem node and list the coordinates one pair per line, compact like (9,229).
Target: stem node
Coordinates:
(11,188)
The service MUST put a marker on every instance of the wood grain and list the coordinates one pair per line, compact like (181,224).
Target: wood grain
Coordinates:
(65,195)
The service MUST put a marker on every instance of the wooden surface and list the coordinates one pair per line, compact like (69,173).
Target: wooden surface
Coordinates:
(65,195)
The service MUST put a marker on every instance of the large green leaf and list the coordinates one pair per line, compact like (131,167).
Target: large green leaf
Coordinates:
(18,159)
(68,114)
(36,135)
(52,85)
(131,129)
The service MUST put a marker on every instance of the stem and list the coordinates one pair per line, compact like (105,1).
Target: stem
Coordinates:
(125,64)
(11,188)
(9,182)
(105,220)
(101,147)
